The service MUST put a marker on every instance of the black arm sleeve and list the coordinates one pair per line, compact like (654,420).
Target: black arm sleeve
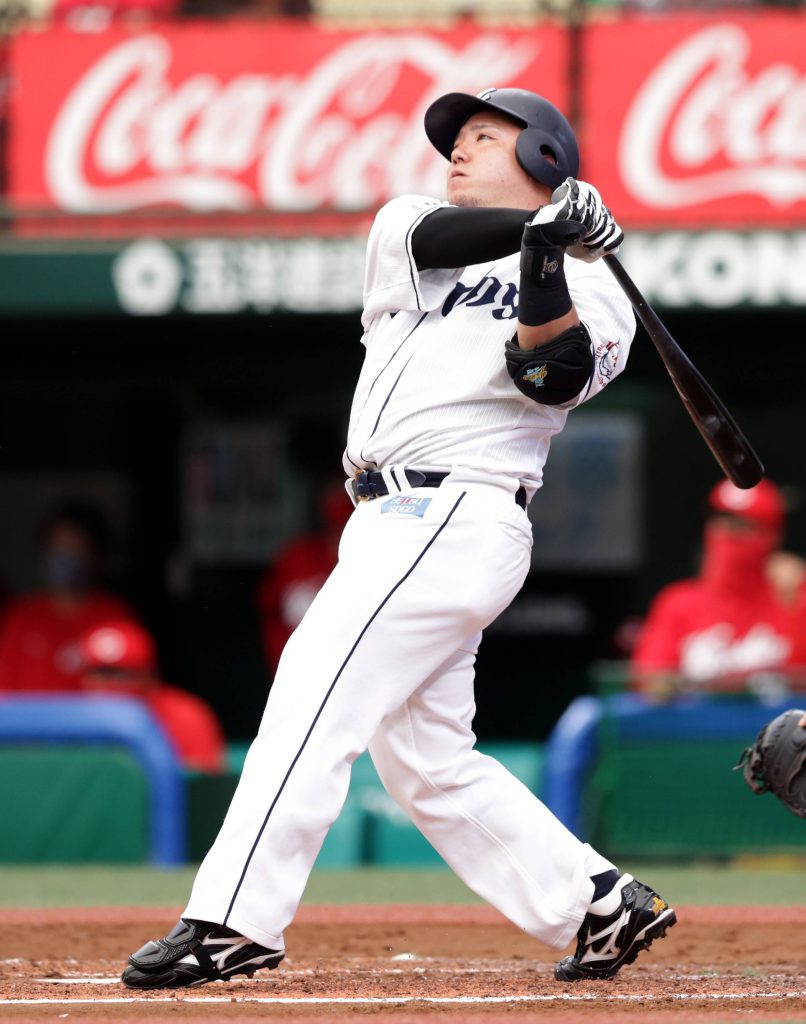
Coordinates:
(459,237)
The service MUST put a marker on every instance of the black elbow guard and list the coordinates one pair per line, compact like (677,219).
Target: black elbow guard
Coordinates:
(553,373)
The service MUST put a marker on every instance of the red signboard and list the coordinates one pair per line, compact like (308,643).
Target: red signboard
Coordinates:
(696,120)
(687,120)
(242,116)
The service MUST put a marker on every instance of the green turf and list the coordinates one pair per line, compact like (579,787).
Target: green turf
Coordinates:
(55,886)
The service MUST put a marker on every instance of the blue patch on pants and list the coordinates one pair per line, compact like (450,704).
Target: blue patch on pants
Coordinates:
(406,505)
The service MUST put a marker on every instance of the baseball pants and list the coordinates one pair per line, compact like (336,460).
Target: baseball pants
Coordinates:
(384,659)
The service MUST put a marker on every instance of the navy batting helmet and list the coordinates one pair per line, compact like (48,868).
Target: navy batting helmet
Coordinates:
(545,130)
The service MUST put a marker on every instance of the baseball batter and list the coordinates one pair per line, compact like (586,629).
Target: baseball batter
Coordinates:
(486,319)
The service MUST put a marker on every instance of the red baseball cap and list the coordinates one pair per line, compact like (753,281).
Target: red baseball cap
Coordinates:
(763,504)
(118,645)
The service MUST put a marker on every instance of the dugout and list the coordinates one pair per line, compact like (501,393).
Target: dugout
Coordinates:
(105,406)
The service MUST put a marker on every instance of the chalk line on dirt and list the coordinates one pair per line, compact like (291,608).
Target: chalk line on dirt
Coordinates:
(562,997)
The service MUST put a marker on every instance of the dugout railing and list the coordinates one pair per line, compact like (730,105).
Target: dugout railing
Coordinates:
(641,778)
(88,779)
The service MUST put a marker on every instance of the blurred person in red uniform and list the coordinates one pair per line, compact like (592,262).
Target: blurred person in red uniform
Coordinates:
(295,575)
(733,625)
(39,630)
(120,658)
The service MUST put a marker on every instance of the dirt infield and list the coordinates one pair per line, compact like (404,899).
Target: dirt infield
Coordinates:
(408,963)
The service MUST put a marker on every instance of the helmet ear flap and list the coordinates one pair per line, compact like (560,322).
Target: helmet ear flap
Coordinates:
(530,151)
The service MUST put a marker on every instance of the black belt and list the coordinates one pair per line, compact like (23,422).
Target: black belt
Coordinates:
(370,484)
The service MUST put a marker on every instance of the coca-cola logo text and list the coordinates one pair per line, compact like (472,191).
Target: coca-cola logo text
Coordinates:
(338,134)
(703,127)
(718,651)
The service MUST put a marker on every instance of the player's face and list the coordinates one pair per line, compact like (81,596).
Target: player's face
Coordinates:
(484,170)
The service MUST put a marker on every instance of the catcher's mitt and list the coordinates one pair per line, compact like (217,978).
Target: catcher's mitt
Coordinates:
(777,761)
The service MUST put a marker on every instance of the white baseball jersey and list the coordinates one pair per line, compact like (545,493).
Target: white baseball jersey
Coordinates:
(434,391)
(384,658)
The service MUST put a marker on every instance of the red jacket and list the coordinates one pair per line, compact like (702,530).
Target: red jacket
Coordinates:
(38,640)
(287,588)
(725,623)
(191,726)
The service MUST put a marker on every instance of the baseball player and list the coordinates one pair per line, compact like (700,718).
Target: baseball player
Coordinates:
(486,319)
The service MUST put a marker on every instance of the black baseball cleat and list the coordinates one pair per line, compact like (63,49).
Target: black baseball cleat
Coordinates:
(608,940)
(194,952)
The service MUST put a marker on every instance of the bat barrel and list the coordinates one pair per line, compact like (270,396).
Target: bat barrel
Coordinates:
(718,429)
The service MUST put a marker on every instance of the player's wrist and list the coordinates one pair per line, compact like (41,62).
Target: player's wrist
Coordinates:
(543,294)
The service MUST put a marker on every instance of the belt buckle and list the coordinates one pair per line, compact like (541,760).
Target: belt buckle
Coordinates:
(364,488)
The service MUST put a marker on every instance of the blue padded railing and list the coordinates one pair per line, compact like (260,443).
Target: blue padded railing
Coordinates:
(123,721)
(573,744)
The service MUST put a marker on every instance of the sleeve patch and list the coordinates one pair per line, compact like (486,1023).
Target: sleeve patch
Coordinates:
(606,361)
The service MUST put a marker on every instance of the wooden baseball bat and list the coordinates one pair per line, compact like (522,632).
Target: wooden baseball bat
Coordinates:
(719,430)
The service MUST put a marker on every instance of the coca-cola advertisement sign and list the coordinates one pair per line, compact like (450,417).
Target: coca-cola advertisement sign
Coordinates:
(247,116)
(686,120)
(698,120)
